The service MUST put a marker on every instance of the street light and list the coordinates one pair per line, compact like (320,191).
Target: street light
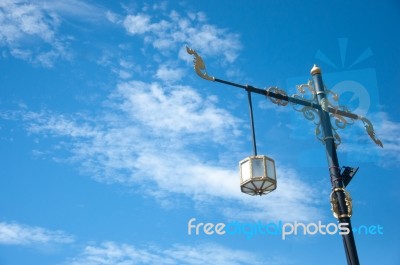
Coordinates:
(255,170)
(257,175)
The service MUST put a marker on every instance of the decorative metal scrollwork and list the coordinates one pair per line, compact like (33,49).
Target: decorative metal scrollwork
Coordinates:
(335,206)
(312,114)
(339,122)
(303,88)
(279,91)
(199,65)
(309,112)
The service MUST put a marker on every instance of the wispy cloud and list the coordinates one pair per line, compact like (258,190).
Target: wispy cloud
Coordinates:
(81,10)
(30,32)
(173,30)
(172,109)
(169,74)
(167,138)
(113,253)
(151,136)
(19,234)
(359,143)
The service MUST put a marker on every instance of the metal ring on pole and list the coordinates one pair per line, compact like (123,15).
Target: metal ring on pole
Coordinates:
(328,137)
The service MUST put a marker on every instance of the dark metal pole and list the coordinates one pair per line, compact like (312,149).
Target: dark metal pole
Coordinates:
(336,179)
(252,122)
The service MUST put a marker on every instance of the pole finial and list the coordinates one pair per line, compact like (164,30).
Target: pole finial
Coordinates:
(315,70)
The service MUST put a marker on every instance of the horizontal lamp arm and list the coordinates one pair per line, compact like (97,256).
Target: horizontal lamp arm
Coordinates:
(289,99)
(271,94)
(279,96)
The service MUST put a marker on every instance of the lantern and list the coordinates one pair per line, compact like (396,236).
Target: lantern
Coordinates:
(257,175)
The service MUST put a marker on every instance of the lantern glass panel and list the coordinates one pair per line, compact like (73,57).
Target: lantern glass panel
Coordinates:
(269,186)
(271,169)
(258,167)
(245,170)
(248,187)
(258,183)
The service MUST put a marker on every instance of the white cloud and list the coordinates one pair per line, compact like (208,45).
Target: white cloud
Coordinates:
(173,31)
(167,137)
(389,132)
(111,253)
(357,141)
(168,74)
(148,137)
(18,234)
(124,74)
(77,9)
(175,109)
(113,17)
(29,31)
(138,24)
(18,19)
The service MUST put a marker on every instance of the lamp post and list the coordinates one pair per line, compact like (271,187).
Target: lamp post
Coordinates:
(257,173)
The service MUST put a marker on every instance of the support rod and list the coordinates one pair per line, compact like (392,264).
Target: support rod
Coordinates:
(252,122)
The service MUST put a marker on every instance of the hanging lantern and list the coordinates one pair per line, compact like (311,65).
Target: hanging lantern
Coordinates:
(257,175)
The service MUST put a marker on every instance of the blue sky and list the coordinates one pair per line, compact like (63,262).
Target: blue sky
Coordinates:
(110,143)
